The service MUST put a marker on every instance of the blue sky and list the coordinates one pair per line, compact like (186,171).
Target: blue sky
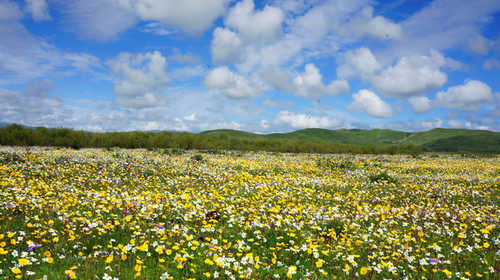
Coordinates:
(258,66)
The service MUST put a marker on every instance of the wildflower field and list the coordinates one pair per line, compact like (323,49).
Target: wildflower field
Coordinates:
(137,214)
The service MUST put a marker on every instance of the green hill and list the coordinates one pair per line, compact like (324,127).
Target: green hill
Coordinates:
(438,139)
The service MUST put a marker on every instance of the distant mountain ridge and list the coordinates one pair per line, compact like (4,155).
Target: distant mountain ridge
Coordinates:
(437,139)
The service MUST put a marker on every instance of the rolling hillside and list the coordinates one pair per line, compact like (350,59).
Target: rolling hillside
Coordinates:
(437,140)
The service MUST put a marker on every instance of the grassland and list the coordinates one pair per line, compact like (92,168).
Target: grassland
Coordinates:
(138,214)
(313,140)
(434,140)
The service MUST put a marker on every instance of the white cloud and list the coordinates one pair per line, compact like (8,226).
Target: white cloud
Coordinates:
(105,19)
(309,84)
(420,104)
(299,121)
(411,76)
(231,84)
(491,63)
(226,46)
(468,97)
(455,124)
(39,89)
(34,106)
(145,100)
(24,57)
(99,19)
(304,36)
(371,104)
(188,57)
(366,24)
(360,62)
(256,26)
(38,9)
(480,45)
(139,74)
(9,11)
(278,79)
(192,16)
(445,24)
(156,28)
(191,117)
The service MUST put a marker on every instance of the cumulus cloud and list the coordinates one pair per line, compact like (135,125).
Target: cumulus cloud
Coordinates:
(420,104)
(226,46)
(467,97)
(140,77)
(139,73)
(358,62)
(105,19)
(278,79)
(366,24)
(491,63)
(309,84)
(411,76)
(38,9)
(33,106)
(256,26)
(299,121)
(371,104)
(192,16)
(231,84)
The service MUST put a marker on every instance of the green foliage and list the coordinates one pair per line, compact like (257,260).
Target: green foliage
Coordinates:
(197,157)
(6,157)
(341,141)
(332,164)
(382,177)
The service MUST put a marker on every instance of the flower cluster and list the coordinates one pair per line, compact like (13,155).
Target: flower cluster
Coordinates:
(125,214)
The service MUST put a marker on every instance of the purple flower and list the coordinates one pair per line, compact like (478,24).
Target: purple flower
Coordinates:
(34,247)
(159,226)
(434,260)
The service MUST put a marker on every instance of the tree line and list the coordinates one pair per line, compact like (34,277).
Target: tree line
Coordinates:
(16,135)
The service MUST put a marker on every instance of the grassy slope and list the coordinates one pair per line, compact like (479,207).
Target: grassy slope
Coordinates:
(438,139)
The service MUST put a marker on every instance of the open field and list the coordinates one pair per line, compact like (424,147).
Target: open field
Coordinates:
(137,214)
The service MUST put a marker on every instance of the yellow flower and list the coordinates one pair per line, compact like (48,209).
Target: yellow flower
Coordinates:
(486,245)
(15,270)
(447,272)
(23,261)
(347,267)
(319,263)
(109,258)
(138,267)
(71,274)
(50,260)
(363,270)
(124,257)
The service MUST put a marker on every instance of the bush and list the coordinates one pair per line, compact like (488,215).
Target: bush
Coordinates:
(197,158)
(382,177)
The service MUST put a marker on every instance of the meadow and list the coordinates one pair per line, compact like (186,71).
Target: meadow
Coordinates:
(172,214)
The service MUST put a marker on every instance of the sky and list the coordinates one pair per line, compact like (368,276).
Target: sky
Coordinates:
(257,66)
